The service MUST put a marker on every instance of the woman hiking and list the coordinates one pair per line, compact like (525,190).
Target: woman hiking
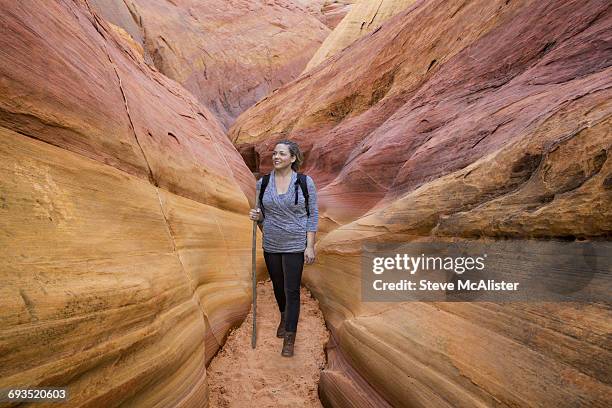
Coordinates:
(289,216)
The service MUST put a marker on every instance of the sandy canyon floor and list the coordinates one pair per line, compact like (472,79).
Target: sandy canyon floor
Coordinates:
(240,376)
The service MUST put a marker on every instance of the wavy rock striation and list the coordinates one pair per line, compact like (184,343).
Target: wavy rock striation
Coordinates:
(335,10)
(419,102)
(468,120)
(229,54)
(363,18)
(113,181)
(330,12)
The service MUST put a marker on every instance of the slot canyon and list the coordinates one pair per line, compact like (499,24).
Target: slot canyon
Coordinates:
(133,133)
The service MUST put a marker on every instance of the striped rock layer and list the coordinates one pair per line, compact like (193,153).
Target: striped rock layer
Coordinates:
(453,121)
(330,12)
(363,18)
(124,245)
(229,54)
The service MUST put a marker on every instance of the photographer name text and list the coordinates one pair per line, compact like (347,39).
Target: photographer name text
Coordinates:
(422,263)
(424,284)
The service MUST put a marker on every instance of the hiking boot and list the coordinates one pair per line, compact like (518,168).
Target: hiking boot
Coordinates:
(288,342)
(280,332)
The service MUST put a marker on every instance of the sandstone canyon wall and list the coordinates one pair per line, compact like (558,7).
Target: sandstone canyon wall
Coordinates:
(124,245)
(330,12)
(229,54)
(454,121)
(364,17)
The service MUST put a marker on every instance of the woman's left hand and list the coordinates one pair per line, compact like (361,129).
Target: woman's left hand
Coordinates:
(309,255)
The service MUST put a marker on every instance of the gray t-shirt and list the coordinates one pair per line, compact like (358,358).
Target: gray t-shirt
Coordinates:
(285,224)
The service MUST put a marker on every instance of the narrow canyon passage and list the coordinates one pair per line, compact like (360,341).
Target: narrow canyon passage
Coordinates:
(133,133)
(240,376)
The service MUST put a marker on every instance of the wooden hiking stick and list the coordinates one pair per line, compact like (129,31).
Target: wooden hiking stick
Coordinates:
(254,273)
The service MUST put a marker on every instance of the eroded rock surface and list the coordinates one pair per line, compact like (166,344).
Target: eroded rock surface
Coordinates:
(487,119)
(330,12)
(417,102)
(363,18)
(229,54)
(125,249)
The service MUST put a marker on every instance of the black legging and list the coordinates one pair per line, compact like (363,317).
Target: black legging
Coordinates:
(285,270)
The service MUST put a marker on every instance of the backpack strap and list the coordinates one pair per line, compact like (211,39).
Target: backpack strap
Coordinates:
(264,183)
(301,181)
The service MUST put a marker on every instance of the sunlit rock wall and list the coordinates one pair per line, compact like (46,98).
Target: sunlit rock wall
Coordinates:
(455,120)
(229,54)
(364,17)
(124,245)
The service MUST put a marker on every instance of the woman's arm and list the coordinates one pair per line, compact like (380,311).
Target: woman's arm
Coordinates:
(313,221)
(309,253)
(313,206)
(310,239)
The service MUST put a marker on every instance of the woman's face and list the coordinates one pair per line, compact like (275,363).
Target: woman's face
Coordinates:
(281,157)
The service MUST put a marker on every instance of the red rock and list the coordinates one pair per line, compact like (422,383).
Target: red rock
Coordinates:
(402,117)
(124,243)
(330,12)
(229,54)
(488,119)
(334,11)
